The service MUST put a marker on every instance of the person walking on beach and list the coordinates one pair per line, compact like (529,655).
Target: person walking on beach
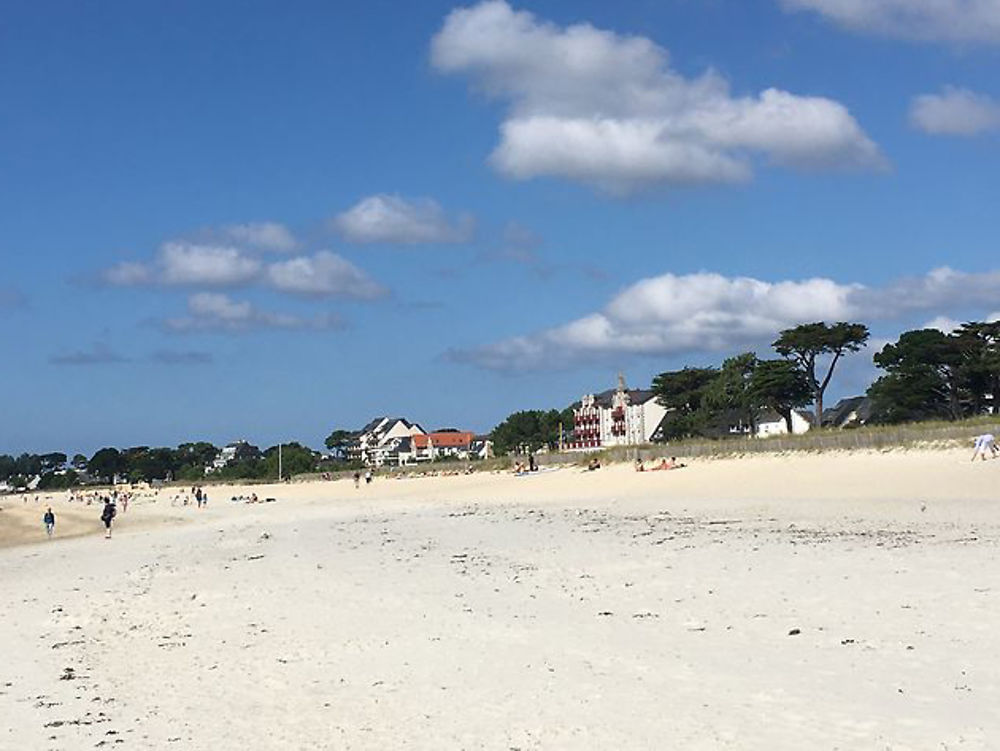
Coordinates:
(50,522)
(368,477)
(108,516)
(357,479)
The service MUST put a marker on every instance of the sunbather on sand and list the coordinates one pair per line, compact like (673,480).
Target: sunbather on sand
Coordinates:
(664,464)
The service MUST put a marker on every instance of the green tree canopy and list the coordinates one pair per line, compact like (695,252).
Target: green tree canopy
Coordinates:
(106,463)
(979,344)
(296,459)
(530,430)
(729,391)
(338,439)
(196,454)
(780,385)
(924,378)
(683,393)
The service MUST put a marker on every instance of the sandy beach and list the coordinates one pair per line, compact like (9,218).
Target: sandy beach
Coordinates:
(836,601)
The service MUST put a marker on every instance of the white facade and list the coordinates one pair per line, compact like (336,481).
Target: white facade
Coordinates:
(381,440)
(616,418)
(770,427)
(226,455)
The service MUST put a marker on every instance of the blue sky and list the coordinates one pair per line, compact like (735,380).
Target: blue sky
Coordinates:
(269,220)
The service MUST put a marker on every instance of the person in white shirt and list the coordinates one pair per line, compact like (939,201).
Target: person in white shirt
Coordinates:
(983,444)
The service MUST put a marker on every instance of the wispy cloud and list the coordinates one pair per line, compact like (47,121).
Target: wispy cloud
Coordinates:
(705,312)
(605,109)
(216,312)
(393,219)
(955,112)
(269,236)
(927,20)
(98,354)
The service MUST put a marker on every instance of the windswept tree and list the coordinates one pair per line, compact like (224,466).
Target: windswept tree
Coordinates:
(338,440)
(809,343)
(780,385)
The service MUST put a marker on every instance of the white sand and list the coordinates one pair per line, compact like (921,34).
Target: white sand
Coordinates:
(604,610)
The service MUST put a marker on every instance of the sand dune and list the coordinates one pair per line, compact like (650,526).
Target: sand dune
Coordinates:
(835,601)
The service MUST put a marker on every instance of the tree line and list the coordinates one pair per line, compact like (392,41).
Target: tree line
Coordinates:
(186,462)
(931,375)
(928,374)
(706,401)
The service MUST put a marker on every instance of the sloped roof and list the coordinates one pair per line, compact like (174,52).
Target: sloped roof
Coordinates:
(769,415)
(839,412)
(603,399)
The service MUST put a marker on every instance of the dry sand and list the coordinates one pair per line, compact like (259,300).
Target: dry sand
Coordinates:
(842,601)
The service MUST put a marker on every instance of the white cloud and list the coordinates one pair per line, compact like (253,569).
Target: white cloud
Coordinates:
(182,263)
(944,324)
(947,324)
(392,219)
(324,274)
(215,312)
(207,265)
(262,235)
(606,109)
(706,312)
(955,112)
(929,20)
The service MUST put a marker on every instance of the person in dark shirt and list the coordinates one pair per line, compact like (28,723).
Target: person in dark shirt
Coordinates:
(108,516)
(49,519)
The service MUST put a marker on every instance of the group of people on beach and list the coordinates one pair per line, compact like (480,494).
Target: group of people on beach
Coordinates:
(197,493)
(984,447)
(117,496)
(663,464)
(530,466)
(369,476)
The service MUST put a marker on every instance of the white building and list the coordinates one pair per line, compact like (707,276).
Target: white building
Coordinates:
(771,423)
(383,440)
(233,452)
(618,417)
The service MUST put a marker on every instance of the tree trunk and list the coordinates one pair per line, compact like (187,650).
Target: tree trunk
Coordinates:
(788,420)
(819,409)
